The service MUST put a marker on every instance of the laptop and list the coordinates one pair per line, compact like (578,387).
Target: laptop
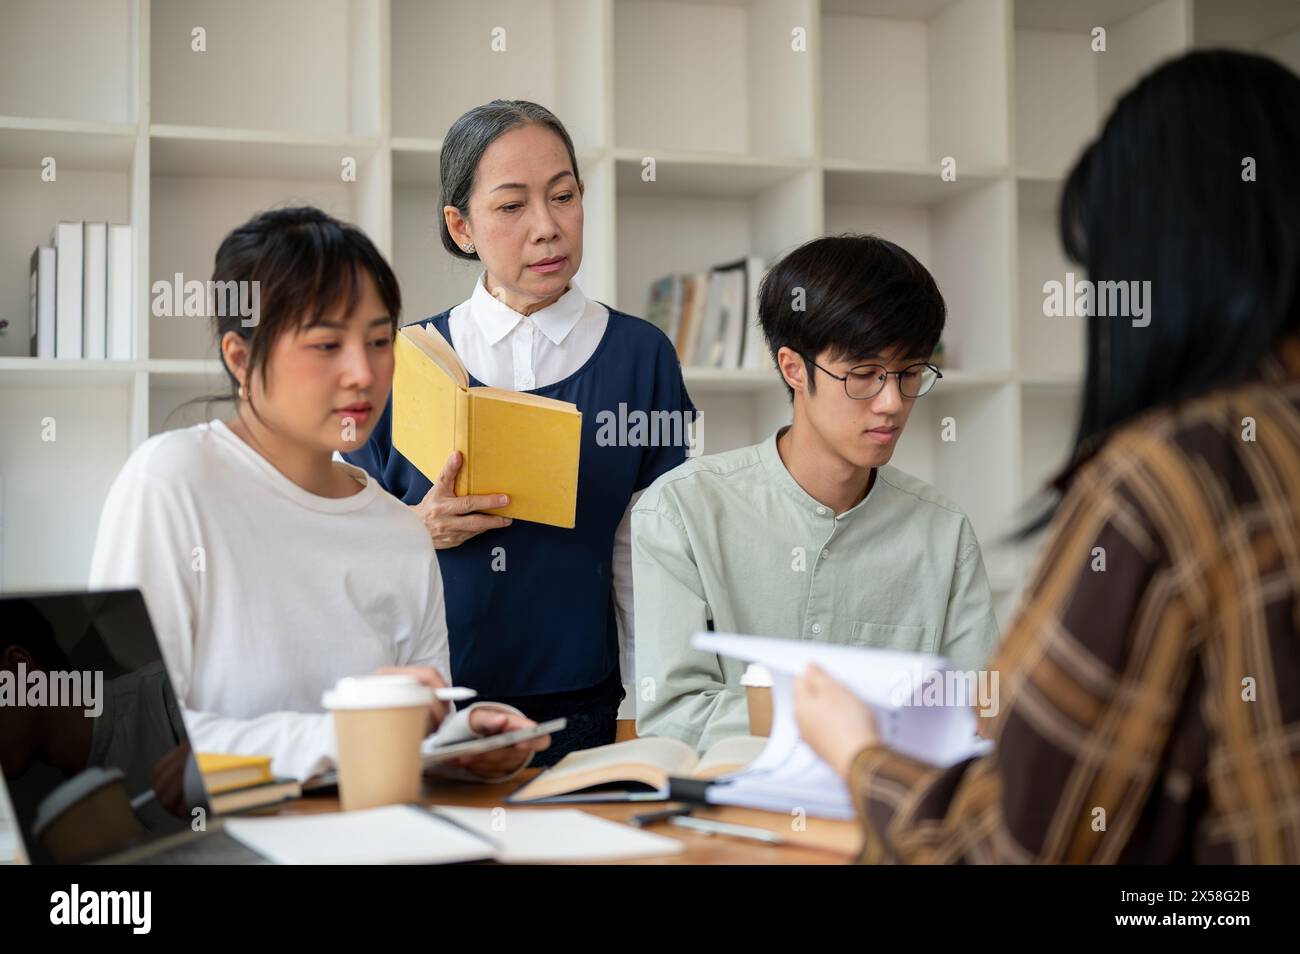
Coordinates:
(95,763)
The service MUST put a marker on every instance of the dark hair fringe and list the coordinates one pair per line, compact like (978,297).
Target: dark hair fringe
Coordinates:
(862,295)
(307,264)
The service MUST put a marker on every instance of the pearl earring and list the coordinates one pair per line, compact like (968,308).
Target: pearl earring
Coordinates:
(241,392)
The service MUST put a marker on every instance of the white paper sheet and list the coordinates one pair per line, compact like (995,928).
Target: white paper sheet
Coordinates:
(396,834)
(540,835)
(788,775)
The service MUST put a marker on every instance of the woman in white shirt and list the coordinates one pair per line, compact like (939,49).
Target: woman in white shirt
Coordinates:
(271,570)
(533,610)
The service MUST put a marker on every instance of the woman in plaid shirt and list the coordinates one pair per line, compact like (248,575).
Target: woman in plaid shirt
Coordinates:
(1150,707)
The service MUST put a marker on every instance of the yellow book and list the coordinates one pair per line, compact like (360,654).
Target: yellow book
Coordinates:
(225,773)
(511,443)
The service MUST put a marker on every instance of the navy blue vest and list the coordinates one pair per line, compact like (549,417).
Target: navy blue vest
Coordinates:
(544,621)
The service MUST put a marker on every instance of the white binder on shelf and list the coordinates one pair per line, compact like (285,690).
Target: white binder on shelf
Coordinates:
(42,302)
(118,270)
(66,238)
(94,288)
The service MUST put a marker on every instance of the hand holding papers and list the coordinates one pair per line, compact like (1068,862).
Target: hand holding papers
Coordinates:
(923,709)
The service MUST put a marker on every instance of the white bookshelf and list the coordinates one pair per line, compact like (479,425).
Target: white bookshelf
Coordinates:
(757,147)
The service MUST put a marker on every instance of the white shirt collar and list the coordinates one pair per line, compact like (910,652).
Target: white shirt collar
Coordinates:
(496,319)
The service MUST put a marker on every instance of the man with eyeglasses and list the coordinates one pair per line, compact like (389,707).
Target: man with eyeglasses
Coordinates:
(810,534)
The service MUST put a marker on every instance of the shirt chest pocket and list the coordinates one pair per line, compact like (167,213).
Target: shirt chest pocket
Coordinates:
(914,639)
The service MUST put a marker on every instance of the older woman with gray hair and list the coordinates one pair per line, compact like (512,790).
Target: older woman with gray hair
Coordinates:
(533,610)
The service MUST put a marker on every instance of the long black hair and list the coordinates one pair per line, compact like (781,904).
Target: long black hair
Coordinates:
(1193,185)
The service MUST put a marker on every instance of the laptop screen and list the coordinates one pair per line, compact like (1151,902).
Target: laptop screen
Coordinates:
(93,751)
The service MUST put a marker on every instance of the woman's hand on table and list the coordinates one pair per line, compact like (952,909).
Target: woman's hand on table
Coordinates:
(832,720)
(451,520)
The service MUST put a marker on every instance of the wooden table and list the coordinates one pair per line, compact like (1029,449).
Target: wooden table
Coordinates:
(823,841)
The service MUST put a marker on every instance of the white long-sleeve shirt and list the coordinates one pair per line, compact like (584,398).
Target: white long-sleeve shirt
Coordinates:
(504,349)
(263,595)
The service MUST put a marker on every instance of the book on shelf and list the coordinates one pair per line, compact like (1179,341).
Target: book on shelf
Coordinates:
(94,286)
(117,269)
(511,442)
(712,317)
(754,353)
(66,239)
(665,308)
(42,302)
(722,334)
(695,286)
(80,293)
(711,333)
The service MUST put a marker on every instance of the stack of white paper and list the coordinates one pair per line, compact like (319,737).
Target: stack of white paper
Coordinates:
(934,726)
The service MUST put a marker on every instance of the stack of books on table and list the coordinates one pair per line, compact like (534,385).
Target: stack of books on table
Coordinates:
(237,783)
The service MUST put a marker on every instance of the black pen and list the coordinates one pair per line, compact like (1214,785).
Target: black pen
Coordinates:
(640,821)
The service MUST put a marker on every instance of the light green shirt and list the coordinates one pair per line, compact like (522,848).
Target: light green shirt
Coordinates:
(731,538)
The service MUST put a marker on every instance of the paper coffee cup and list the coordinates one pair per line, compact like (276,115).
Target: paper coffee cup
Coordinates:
(758,694)
(379,722)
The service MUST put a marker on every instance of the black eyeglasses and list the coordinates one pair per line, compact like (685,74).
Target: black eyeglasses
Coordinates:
(867,380)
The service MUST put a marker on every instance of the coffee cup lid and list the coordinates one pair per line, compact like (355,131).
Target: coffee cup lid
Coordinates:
(756,676)
(377,692)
